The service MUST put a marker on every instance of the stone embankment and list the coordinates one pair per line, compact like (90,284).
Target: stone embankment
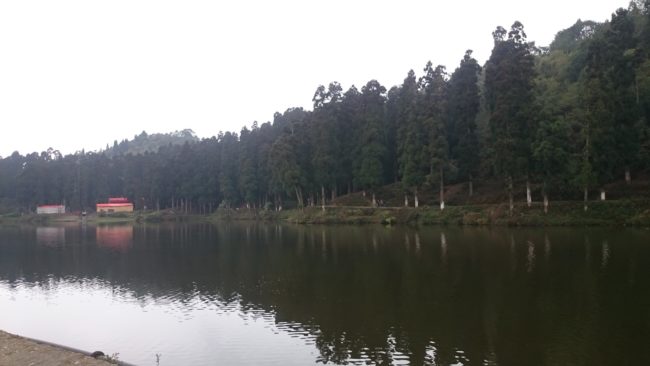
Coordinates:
(15,350)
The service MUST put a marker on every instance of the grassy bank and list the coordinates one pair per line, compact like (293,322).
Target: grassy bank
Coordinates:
(608,213)
(561,213)
(135,217)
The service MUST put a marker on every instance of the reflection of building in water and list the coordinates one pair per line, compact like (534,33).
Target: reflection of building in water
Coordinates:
(50,236)
(118,237)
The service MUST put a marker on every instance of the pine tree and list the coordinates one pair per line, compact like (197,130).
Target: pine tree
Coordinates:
(464,103)
(411,138)
(324,139)
(433,113)
(509,85)
(369,169)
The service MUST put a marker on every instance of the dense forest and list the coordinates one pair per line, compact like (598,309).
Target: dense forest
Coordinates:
(568,118)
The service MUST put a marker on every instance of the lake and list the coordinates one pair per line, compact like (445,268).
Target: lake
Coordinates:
(266,294)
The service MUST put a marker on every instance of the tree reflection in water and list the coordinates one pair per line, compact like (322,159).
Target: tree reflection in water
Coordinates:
(433,296)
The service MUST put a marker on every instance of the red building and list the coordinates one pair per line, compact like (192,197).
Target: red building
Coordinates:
(115,204)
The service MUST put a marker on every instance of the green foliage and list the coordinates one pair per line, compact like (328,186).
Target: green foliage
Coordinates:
(368,172)
(509,86)
(573,116)
(144,142)
(412,135)
(464,104)
(434,118)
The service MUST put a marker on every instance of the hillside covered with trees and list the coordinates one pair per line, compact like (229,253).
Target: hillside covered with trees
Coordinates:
(145,142)
(557,122)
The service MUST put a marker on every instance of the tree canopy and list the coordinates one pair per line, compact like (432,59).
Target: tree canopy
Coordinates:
(570,118)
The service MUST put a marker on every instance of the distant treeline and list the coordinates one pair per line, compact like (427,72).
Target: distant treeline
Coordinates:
(570,118)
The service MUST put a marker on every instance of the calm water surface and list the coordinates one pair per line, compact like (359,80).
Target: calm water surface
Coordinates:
(253,294)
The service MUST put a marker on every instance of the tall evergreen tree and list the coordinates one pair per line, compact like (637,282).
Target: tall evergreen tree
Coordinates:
(324,138)
(369,173)
(412,136)
(509,84)
(228,172)
(464,103)
(248,179)
(433,113)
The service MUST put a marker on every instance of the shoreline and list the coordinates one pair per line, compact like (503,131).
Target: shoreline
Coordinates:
(621,213)
(19,350)
(612,213)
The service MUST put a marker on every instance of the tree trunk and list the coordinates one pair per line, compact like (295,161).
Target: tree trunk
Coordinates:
(602,194)
(511,204)
(628,177)
(442,190)
(298,197)
(586,197)
(529,198)
(374,200)
(545,202)
(333,192)
(322,189)
(406,200)
(471,186)
(415,197)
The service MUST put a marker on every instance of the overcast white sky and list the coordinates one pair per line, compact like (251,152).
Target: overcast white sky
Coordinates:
(81,73)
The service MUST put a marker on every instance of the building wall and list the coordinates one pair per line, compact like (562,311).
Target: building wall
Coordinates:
(116,208)
(49,210)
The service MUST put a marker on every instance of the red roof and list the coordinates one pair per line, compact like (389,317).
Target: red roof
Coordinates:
(118,200)
(114,204)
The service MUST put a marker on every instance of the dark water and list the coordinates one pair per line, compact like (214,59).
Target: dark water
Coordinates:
(251,294)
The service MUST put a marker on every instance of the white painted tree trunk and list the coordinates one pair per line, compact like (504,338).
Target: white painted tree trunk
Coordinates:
(299,197)
(628,177)
(322,189)
(545,203)
(374,200)
(529,198)
(602,195)
(415,198)
(586,198)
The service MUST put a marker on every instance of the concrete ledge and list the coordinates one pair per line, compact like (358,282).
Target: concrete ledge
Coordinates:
(16,350)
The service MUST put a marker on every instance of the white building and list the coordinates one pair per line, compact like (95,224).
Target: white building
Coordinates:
(50,209)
